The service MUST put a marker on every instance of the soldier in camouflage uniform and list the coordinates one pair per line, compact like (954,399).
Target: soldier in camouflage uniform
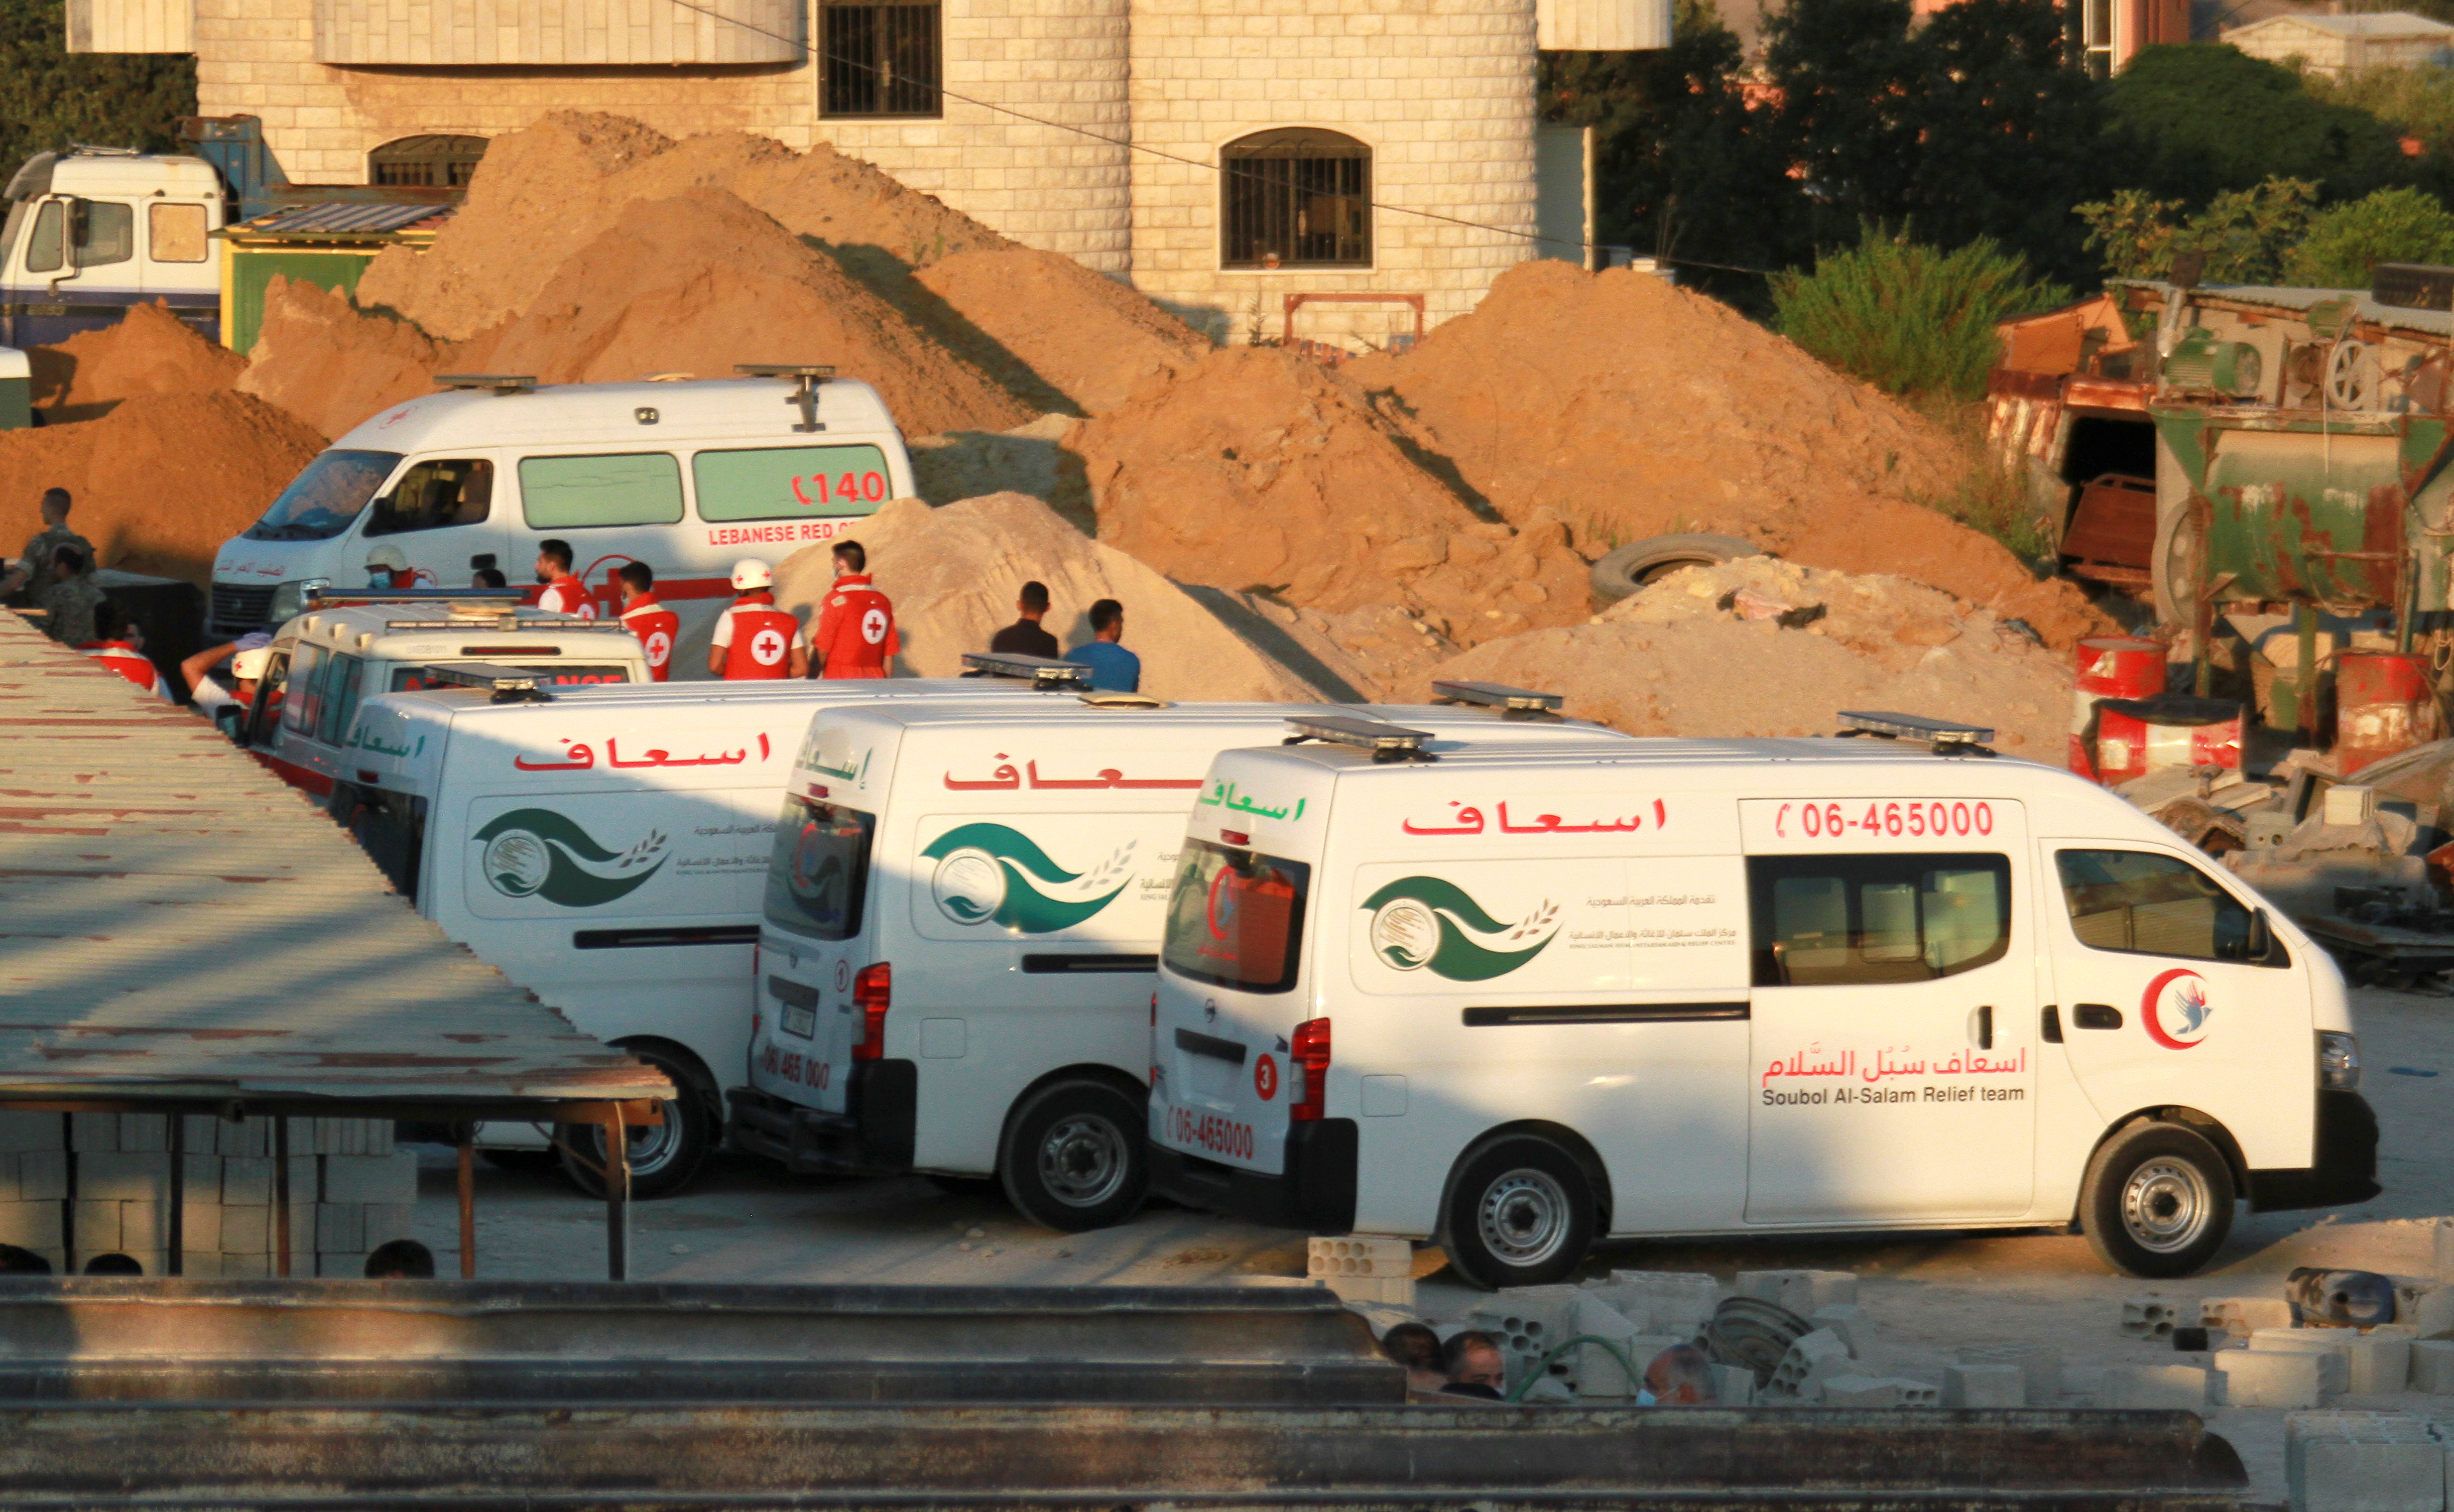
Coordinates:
(68,600)
(35,567)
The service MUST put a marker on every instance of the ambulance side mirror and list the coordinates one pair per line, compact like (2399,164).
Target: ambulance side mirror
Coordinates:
(2260,936)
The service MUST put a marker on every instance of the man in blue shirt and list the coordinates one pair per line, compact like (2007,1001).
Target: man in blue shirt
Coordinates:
(1113,668)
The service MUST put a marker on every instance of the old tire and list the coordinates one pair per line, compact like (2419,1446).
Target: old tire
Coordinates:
(2175,566)
(1520,1213)
(1076,1157)
(664,1159)
(1637,563)
(2158,1201)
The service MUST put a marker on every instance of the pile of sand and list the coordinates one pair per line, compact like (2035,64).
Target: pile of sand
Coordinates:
(1091,338)
(161,481)
(1263,471)
(1683,658)
(1629,408)
(331,366)
(150,351)
(954,573)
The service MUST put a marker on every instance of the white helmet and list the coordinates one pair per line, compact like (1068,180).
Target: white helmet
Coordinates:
(387,557)
(248,665)
(751,572)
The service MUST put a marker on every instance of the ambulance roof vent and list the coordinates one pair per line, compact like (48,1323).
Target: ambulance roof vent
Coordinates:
(1045,674)
(806,378)
(1513,703)
(508,684)
(491,382)
(1948,737)
(1125,700)
(1387,742)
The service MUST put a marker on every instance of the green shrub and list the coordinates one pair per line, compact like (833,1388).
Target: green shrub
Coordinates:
(2246,234)
(2346,244)
(1907,319)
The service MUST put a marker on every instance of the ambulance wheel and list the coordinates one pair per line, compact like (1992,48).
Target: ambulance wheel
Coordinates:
(1073,1157)
(664,1159)
(1521,1213)
(2157,1201)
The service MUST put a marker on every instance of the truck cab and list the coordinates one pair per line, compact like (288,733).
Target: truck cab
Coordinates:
(95,230)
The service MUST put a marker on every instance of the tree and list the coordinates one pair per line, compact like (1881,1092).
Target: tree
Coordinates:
(50,99)
(2190,122)
(2345,245)
(1910,319)
(2245,234)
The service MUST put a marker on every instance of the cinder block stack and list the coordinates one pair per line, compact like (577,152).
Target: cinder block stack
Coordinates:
(350,1191)
(1360,1268)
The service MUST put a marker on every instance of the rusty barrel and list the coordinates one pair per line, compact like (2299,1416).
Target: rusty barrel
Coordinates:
(2109,667)
(2382,705)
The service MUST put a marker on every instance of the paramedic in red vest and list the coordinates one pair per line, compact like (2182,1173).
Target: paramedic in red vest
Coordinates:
(249,657)
(120,646)
(754,638)
(857,628)
(649,621)
(563,593)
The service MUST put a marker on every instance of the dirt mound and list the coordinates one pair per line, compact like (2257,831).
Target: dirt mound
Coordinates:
(1742,650)
(1261,470)
(954,574)
(150,351)
(331,365)
(161,481)
(1908,540)
(1090,337)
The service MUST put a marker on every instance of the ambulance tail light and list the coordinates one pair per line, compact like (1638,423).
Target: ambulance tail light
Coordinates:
(872,986)
(1308,1047)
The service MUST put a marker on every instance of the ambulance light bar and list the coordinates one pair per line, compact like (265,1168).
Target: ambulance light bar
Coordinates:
(508,684)
(1516,703)
(1387,742)
(1948,737)
(492,382)
(328,595)
(1043,673)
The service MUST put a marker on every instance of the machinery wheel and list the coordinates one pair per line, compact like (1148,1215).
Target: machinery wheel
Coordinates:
(1521,1213)
(1076,1157)
(2157,1201)
(2176,566)
(666,1159)
(1637,563)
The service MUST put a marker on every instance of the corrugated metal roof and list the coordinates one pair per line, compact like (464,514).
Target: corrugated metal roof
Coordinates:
(344,217)
(2284,296)
(177,920)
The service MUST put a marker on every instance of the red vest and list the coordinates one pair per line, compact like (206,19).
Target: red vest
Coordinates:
(568,594)
(126,660)
(656,626)
(855,630)
(762,638)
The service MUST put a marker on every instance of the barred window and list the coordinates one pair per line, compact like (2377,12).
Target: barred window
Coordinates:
(426,162)
(1295,198)
(882,59)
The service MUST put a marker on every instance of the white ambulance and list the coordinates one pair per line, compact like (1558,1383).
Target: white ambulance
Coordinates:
(687,476)
(606,847)
(962,920)
(1519,1000)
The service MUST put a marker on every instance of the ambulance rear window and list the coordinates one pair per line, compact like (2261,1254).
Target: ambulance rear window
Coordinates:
(1832,920)
(1236,918)
(414,680)
(817,878)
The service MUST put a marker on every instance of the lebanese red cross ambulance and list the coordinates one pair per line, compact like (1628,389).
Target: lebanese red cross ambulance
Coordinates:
(606,847)
(962,919)
(1517,1001)
(687,476)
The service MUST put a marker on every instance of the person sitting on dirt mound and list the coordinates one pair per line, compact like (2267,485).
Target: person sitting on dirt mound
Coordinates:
(54,535)
(1113,668)
(1026,636)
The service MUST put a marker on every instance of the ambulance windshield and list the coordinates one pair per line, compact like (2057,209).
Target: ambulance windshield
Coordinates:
(1236,918)
(320,502)
(819,875)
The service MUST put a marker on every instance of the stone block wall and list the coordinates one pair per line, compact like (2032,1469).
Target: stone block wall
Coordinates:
(350,1191)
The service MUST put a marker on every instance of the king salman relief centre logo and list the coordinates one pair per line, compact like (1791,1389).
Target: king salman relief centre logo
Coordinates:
(1421,923)
(989,874)
(537,853)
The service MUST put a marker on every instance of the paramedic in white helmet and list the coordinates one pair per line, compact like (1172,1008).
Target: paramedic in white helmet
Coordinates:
(753,638)
(249,658)
(388,568)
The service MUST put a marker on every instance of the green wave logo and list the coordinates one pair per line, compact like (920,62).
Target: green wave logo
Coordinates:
(537,853)
(1420,921)
(988,874)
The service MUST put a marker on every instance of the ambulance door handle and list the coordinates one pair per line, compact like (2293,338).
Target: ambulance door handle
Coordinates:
(2049,1025)
(2095,1015)
(1981,1027)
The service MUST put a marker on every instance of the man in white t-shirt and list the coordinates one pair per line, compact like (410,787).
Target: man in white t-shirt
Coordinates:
(248,663)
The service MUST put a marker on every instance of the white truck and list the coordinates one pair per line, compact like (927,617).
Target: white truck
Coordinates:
(92,231)
(1521,999)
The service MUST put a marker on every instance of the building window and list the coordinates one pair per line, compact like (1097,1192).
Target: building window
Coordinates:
(882,59)
(426,162)
(1295,198)
(2095,18)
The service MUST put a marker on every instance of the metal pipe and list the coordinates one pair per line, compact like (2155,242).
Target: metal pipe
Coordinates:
(468,1182)
(281,1195)
(171,1264)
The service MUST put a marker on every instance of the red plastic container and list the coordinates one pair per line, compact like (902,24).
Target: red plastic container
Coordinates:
(2382,705)
(2109,667)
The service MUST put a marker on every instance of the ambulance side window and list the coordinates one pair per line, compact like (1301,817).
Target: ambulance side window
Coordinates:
(436,494)
(342,677)
(1838,920)
(2146,903)
(576,493)
(303,703)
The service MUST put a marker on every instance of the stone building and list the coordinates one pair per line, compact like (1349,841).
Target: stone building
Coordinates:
(1217,154)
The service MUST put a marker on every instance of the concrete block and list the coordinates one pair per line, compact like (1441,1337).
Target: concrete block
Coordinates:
(97,1227)
(342,1227)
(2378,1362)
(1802,1292)
(123,1177)
(94,1133)
(31,1131)
(2432,1367)
(1860,1391)
(1734,1385)
(1361,1255)
(1851,1322)
(141,1228)
(8,1176)
(246,1229)
(249,1181)
(246,1267)
(1984,1386)
(2365,1463)
(30,1225)
(2431,1315)
(2444,1236)
(250,1138)
(2151,1315)
(2332,1345)
(144,1132)
(1663,1301)
(2041,1364)
(349,1265)
(2241,1316)
(200,1227)
(1814,1359)
(200,1264)
(386,1221)
(2183,1386)
(1395,1290)
(2261,1378)
(42,1176)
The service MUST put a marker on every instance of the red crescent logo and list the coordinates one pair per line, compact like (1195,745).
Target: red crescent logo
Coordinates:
(2153,1000)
